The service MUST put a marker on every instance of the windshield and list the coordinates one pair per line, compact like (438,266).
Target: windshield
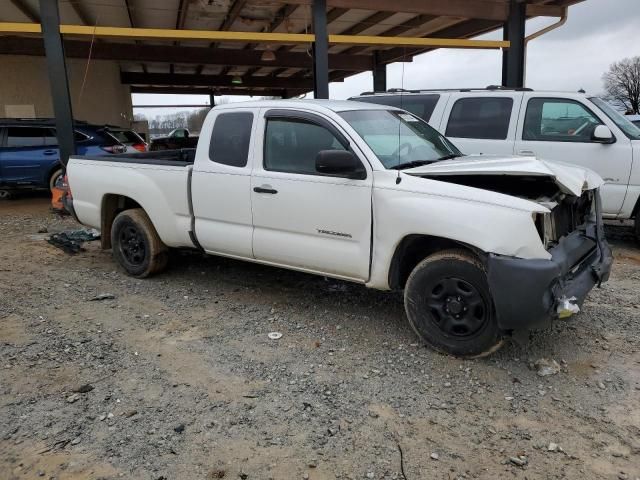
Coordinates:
(400,139)
(629,129)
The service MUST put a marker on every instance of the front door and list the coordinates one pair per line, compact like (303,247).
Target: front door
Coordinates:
(303,219)
(561,129)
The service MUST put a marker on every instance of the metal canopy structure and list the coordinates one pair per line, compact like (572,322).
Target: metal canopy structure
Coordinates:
(255,47)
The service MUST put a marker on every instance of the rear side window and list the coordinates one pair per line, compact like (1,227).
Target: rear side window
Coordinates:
(420,105)
(230,138)
(30,137)
(480,117)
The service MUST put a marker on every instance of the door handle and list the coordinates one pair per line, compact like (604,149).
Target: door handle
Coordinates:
(50,152)
(526,152)
(265,189)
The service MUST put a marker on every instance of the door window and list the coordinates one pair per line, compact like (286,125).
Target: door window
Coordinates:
(480,117)
(291,145)
(29,137)
(230,138)
(558,120)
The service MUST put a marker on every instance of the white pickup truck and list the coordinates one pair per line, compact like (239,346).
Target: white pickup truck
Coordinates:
(484,247)
(570,127)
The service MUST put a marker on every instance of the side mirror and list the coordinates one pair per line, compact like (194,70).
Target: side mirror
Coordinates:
(602,134)
(340,163)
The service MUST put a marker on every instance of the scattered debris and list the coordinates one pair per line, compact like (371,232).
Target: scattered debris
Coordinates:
(179,428)
(43,229)
(545,367)
(86,388)
(73,398)
(567,307)
(519,461)
(274,335)
(553,447)
(434,456)
(102,296)
(71,241)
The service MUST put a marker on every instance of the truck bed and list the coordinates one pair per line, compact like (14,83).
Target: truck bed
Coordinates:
(176,158)
(158,180)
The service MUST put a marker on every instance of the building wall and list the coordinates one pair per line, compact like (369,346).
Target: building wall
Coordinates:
(25,88)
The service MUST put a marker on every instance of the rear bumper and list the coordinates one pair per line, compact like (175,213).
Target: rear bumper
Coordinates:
(526,292)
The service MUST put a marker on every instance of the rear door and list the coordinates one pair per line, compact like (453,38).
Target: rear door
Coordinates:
(303,219)
(560,129)
(482,122)
(28,156)
(221,184)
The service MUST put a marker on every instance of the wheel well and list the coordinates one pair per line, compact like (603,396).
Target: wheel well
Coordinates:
(415,248)
(636,210)
(112,205)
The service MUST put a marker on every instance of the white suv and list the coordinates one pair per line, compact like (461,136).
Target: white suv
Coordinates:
(560,126)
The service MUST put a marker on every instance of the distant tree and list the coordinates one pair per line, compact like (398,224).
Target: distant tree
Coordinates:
(622,84)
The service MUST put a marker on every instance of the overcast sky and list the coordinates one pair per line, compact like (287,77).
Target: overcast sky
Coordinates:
(597,33)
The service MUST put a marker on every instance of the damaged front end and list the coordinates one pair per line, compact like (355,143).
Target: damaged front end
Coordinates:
(531,293)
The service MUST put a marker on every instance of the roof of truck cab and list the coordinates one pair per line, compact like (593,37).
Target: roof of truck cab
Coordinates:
(333,105)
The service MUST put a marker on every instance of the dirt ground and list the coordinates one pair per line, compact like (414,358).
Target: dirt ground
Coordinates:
(176,378)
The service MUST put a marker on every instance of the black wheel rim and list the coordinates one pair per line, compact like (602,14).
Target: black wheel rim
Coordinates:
(132,245)
(456,306)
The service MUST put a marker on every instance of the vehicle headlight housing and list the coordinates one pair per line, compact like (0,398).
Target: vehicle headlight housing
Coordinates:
(545,227)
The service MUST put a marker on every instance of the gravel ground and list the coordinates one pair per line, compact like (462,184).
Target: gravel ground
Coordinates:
(176,378)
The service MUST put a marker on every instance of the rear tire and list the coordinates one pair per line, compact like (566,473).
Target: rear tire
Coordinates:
(136,244)
(54,178)
(449,305)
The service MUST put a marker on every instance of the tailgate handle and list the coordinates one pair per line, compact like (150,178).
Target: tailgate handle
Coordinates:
(265,189)
(526,152)
(50,152)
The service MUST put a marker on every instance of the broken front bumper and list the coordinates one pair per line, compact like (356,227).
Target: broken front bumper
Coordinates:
(526,293)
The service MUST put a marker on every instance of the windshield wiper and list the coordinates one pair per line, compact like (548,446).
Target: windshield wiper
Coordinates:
(419,163)
(450,156)
(411,164)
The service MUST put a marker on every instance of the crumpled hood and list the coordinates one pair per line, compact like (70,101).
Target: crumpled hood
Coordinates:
(570,178)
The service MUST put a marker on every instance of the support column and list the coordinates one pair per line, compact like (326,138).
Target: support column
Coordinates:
(379,74)
(212,100)
(58,80)
(513,58)
(320,50)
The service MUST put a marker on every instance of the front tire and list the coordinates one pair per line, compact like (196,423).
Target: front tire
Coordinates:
(449,305)
(636,226)
(136,244)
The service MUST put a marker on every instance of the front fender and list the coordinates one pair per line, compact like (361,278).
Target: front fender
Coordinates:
(487,227)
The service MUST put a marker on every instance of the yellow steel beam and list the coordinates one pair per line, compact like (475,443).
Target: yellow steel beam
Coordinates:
(375,40)
(252,37)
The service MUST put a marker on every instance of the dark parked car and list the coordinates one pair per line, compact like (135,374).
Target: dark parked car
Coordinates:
(177,139)
(29,154)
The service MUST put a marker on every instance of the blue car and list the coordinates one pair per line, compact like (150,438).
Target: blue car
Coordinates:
(29,154)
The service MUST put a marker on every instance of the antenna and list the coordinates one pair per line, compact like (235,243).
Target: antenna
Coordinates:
(399,178)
